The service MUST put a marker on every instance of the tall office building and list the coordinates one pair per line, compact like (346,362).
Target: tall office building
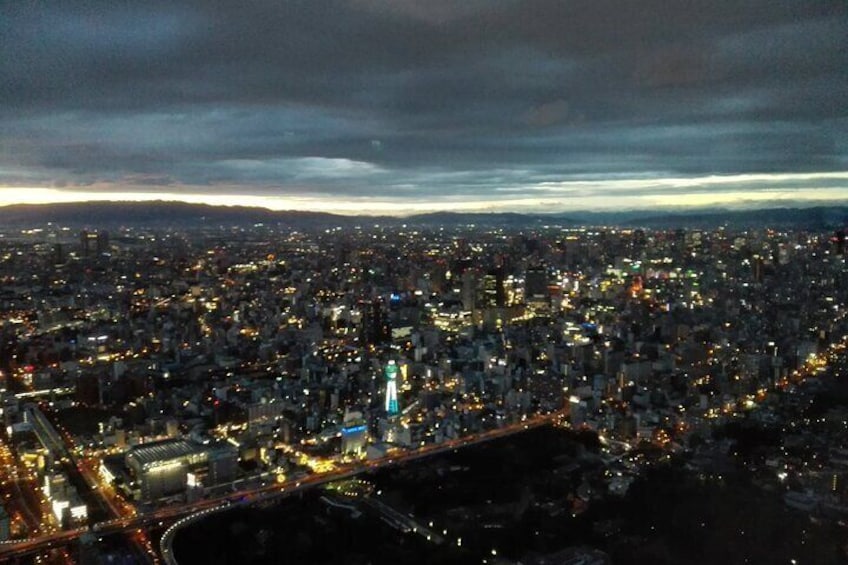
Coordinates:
(102,242)
(93,242)
(58,254)
(494,293)
(469,290)
(375,327)
(536,284)
(354,433)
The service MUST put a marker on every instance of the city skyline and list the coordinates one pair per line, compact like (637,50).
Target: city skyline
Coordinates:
(161,381)
(376,107)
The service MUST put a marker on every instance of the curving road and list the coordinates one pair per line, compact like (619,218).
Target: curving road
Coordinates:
(284,489)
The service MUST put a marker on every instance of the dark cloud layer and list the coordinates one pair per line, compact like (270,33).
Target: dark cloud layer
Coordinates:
(400,97)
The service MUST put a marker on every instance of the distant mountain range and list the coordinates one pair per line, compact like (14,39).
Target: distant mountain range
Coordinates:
(179,214)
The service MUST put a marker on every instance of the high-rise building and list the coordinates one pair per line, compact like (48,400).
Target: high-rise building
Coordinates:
(58,254)
(536,284)
(86,239)
(757,267)
(102,242)
(494,293)
(354,433)
(469,289)
(93,242)
(375,327)
(391,372)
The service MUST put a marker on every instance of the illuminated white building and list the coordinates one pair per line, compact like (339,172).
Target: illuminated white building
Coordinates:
(64,500)
(161,469)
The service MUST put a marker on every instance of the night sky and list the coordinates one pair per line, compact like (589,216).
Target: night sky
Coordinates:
(404,105)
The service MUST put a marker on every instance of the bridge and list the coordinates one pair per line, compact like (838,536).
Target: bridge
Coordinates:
(58,391)
(403,522)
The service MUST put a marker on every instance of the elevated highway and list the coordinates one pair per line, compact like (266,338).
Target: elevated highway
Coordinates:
(179,516)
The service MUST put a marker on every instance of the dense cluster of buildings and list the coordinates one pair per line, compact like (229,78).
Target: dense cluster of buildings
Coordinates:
(180,362)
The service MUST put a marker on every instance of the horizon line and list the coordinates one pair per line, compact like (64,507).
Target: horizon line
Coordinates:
(636,193)
(666,209)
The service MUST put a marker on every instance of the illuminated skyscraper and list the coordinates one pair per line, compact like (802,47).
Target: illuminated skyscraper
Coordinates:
(391,388)
(100,241)
(494,295)
(354,433)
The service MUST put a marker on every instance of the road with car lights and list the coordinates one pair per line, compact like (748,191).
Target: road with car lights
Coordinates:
(180,515)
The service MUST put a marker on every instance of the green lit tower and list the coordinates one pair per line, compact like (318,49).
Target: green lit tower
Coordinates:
(391,372)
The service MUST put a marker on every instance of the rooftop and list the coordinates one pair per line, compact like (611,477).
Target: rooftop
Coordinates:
(166,450)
